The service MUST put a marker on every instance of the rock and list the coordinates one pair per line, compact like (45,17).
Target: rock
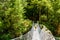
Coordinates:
(36,33)
(46,34)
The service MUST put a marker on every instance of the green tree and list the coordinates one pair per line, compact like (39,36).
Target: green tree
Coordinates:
(48,12)
(12,22)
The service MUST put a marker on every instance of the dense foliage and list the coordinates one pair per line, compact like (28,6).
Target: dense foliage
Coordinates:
(12,22)
(16,16)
